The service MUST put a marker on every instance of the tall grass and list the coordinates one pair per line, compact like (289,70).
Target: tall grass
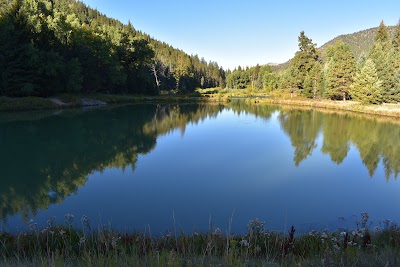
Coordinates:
(68,246)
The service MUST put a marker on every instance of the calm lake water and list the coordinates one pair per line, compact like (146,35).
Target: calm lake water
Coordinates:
(194,167)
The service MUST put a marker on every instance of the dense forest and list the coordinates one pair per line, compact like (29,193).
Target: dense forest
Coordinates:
(63,46)
(56,46)
(371,78)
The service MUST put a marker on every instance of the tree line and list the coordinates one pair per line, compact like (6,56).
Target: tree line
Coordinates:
(56,46)
(372,78)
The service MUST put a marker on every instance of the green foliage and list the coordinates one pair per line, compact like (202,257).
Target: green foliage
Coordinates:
(55,46)
(308,76)
(382,34)
(271,81)
(238,79)
(340,71)
(302,64)
(396,38)
(383,56)
(367,88)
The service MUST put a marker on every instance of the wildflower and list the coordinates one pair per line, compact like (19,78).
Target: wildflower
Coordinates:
(217,231)
(336,246)
(334,239)
(360,233)
(256,226)
(51,222)
(85,221)
(324,235)
(69,218)
(244,243)
(82,241)
(313,233)
(114,241)
(62,232)
(343,233)
(351,243)
(51,232)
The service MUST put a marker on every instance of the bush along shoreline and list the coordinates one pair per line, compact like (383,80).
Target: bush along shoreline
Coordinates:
(63,245)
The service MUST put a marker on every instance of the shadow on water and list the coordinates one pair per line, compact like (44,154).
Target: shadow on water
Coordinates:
(47,156)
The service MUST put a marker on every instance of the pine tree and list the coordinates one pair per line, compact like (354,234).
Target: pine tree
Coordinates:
(313,81)
(367,88)
(382,34)
(396,38)
(340,71)
(384,57)
(394,93)
(303,62)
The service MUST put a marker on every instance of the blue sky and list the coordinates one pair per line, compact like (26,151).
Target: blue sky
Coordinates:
(247,32)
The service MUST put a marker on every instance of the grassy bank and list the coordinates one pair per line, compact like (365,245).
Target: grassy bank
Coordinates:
(71,101)
(392,110)
(201,95)
(65,246)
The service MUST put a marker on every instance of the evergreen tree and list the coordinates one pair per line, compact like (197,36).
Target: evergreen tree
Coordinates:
(396,38)
(340,71)
(313,81)
(384,57)
(394,93)
(52,46)
(367,88)
(303,62)
(382,34)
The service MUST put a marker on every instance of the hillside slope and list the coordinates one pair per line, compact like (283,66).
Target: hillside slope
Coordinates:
(359,42)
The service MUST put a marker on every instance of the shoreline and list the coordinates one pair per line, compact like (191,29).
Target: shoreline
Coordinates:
(388,110)
(75,101)
(8,104)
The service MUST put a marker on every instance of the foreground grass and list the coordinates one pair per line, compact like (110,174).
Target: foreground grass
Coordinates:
(65,246)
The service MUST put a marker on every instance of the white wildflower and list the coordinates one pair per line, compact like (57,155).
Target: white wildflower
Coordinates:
(217,231)
(82,240)
(244,243)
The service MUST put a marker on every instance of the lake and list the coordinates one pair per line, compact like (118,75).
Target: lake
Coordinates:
(195,167)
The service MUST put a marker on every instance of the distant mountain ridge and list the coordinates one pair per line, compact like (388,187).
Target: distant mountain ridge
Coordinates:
(359,42)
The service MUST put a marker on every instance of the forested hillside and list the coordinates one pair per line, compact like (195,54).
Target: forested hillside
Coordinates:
(359,42)
(364,70)
(56,46)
